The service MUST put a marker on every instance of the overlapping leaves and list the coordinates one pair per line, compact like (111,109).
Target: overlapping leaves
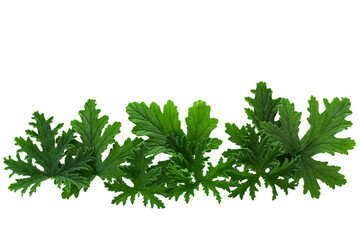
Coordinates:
(145,180)
(259,158)
(185,170)
(45,163)
(96,134)
(270,151)
(320,138)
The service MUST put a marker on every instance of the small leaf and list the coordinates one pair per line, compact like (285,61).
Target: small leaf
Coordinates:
(264,106)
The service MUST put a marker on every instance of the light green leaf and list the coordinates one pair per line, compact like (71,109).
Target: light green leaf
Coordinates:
(199,124)
(156,125)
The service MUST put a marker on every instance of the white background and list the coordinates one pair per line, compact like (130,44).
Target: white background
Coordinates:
(54,55)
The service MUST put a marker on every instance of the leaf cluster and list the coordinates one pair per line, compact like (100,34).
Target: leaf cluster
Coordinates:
(187,167)
(294,157)
(268,151)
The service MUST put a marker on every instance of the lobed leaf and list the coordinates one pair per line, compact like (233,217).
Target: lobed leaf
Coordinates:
(53,149)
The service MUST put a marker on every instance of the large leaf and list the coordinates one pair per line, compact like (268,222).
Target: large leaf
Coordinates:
(320,138)
(98,135)
(48,157)
(154,124)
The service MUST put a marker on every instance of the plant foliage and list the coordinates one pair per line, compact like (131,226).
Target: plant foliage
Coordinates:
(268,151)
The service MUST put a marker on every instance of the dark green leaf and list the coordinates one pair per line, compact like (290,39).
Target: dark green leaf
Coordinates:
(53,150)
(144,179)
(264,106)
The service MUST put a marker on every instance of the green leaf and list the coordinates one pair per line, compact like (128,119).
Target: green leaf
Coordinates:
(288,132)
(68,175)
(154,201)
(260,158)
(187,157)
(127,192)
(199,124)
(53,150)
(312,171)
(156,125)
(250,184)
(118,154)
(236,134)
(187,167)
(93,132)
(32,182)
(186,189)
(144,179)
(178,174)
(97,134)
(213,144)
(264,106)
(320,138)
(216,177)
(279,177)
(184,170)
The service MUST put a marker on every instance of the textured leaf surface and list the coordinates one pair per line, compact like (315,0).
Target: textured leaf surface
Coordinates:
(312,171)
(320,138)
(184,172)
(154,124)
(94,131)
(288,133)
(187,169)
(259,158)
(118,154)
(264,106)
(53,150)
(199,123)
(98,135)
(144,179)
